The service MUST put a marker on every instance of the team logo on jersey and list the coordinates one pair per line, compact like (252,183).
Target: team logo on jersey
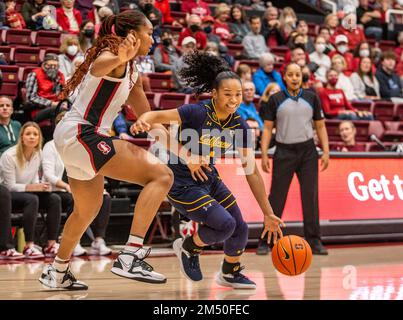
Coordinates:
(103,147)
(209,123)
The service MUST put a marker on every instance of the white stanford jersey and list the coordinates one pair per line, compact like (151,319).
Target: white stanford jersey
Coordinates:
(100,99)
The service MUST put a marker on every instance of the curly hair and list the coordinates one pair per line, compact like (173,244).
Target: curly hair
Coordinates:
(204,72)
(113,31)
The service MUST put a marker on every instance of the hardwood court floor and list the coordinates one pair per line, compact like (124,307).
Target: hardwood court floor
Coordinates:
(372,272)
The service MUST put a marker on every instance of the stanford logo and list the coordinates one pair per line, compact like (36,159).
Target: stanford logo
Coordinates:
(103,147)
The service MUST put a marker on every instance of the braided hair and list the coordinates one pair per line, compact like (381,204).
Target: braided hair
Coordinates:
(205,72)
(114,30)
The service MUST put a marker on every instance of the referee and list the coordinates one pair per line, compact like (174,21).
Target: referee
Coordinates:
(293,110)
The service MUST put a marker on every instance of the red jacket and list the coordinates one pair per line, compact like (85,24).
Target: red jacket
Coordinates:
(222,30)
(200,36)
(354,37)
(163,6)
(201,9)
(334,101)
(348,56)
(63,21)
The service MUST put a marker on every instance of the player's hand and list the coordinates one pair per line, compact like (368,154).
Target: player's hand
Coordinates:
(324,161)
(140,126)
(196,164)
(128,48)
(265,164)
(272,228)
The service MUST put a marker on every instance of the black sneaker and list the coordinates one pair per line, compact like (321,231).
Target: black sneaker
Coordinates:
(188,262)
(54,279)
(318,248)
(235,280)
(131,265)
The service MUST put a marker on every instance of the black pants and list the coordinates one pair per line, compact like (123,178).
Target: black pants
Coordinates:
(30,203)
(100,223)
(302,159)
(6,239)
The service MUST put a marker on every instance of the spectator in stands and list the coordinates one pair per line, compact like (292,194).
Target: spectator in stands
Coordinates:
(9,129)
(86,37)
(20,173)
(308,80)
(221,27)
(164,7)
(54,173)
(2,16)
(247,109)
(238,24)
(332,23)
(257,5)
(266,74)
(84,6)
(165,53)
(320,60)
(362,50)
(14,19)
(348,132)
(399,49)
(147,7)
(288,22)
(194,31)
(335,103)
(254,43)
(371,19)
(302,29)
(208,27)
(44,85)
(69,51)
(7,249)
(271,28)
(68,18)
(389,81)
(354,35)
(31,11)
(99,12)
(299,56)
(344,83)
(324,32)
(271,89)
(156,35)
(365,84)
(188,45)
(244,72)
(198,7)
(342,48)
(48,21)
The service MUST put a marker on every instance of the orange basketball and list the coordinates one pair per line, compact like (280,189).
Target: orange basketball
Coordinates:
(291,255)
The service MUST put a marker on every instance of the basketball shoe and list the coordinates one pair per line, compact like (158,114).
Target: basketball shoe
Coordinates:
(235,279)
(189,262)
(55,279)
(131,264)
(99,248)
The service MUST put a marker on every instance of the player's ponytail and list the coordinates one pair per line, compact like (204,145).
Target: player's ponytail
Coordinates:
(107,26)
(204,72)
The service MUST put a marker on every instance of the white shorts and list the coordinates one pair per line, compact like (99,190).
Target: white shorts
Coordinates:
(83,150)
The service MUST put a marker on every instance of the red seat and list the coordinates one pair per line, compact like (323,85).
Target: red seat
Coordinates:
(27,56)
(332,127)
(172,100)
(7,52)
(25,71)
(204,96)
(15,37)
(399,112)
(363,105)
(279,51)
(10,81)
(254,65)
(383,110)
(152,97)
(179,16)
(48,39)
(313,29)
(235,50)
(160,82)
(386,45)
(394,131)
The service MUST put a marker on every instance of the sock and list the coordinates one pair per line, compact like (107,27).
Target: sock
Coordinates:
(190,246)
(134,243)
(230,267)
(60,264)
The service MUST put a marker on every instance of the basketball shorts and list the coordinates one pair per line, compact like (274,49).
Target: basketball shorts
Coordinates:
(84,151)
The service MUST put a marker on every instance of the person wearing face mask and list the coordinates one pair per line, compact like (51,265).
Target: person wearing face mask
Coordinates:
(320,59)
(362,50)
(364,81)
(208,27)
(193,30)
(354,35)
(165,53)
(147,7)
(44,85)
(69,50)
(68,18)
(389,81)
(343,49)
(86,37)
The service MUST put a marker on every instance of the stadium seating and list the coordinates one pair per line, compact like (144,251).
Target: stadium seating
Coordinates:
(48,39)
(383,110)
(172,100)
(10,81)
(27,56)
(15,37)
(160,82)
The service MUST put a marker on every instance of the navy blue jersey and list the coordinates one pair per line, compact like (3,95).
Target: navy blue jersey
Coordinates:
(203,133)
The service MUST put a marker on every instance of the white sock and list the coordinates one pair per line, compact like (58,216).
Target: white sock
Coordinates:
(60,264)
(134,243)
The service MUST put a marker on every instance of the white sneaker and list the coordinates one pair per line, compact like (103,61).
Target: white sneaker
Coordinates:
(11,254)
(99,248)
(33,252)
(54,279)
(79,251)
(51,252)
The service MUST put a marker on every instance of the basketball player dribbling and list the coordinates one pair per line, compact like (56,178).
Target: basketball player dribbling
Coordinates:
(209,128)
(106,80)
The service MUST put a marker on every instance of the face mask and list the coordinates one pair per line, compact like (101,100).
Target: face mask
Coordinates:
(208,29)
(320,48)
(364,53)
(51,73)
(305,77)
(148,7)
(72,50)
(155,22)
(342,49)
(333,81)
(167,42)
(194,28)
(89,33)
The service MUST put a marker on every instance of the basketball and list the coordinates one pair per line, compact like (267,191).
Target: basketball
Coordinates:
(291,255)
